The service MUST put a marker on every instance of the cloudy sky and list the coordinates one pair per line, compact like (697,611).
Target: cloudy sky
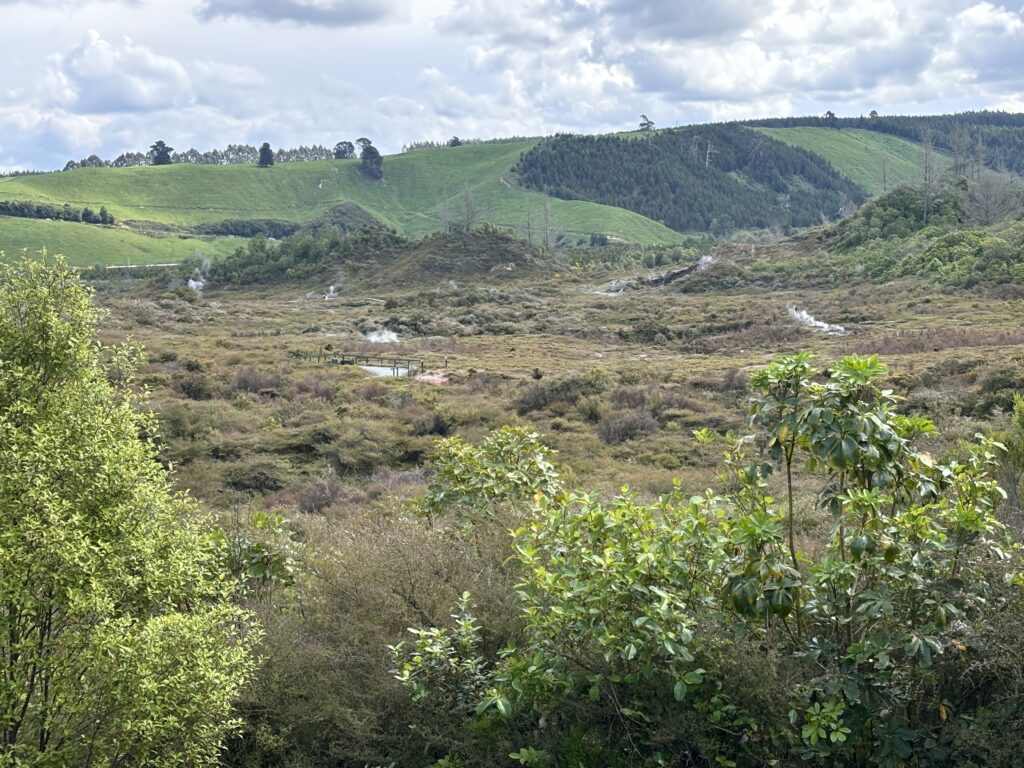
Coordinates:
(103,76)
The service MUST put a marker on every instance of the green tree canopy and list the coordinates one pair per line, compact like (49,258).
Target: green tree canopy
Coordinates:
(266,155)
(372,164)
(119,640)
(160,153)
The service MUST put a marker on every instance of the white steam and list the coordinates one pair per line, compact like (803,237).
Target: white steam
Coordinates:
(200,274)
(808,320)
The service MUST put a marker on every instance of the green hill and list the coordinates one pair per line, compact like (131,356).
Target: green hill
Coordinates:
(86,244)
(695,179)
(418,191)
(644,190)
(990,138)
(874,161)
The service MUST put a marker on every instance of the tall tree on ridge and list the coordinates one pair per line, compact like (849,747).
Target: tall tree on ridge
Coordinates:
(266,155)
(160,153)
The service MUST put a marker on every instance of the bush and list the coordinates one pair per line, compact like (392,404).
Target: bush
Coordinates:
(545,393)
(628,425)
(318,494)
(696,626)
(256,476)
(591,408)
(317,387)
(194,386)
(248,379)
(439,422)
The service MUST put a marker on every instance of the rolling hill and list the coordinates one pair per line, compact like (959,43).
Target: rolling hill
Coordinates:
(419,190)
(536,187)
(86,245)
(695,179)
(876,162)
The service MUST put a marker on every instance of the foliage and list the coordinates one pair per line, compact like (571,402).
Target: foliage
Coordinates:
(266,158)
(119,641)
(29,210)
(709,178)
(444,667)
(259,552)
(968,257)
(371,164)
(1012,464)
(569,391)
(270,228)
(897,214)
(297,257)
(473,484)
(232,154)
(638,618)
(160,153)
(344,150)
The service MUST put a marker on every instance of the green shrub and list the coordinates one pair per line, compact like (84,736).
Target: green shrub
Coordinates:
(259,475)
(626,425)
(696,630)
(569,391)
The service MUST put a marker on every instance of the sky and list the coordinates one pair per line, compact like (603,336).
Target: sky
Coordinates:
(79,77)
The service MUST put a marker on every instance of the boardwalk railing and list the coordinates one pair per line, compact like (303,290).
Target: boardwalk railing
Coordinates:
(398,366)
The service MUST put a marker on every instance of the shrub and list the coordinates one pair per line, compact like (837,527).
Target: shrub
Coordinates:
(545,393)
(317,387)
(318,494)
(194,386)
(256,476)
(249,379)
(695,626)
(374,391)
(591,408)
(121,640)
(438,422)
(628,425)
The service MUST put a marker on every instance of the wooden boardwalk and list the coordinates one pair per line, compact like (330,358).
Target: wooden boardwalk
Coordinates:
(399,366)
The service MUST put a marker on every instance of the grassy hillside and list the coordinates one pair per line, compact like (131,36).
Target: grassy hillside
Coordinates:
(695,179)
(991,138)
(417,188)
(85,244)
(860,155)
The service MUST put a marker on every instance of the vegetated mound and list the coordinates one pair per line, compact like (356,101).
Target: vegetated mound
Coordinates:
(247,228)
(938,235)
(347,217)
(484,253)
(377,256)
(297,258)
(899,213)
(718,178)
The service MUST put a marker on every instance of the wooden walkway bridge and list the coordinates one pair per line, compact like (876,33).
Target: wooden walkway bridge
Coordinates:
(383,365)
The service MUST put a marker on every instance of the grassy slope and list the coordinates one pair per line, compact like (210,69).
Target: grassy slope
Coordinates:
(85,244)
(414,188)
(859,154)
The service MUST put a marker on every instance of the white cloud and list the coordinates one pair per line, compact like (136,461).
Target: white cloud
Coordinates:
(99,77)
(328,13)
(208,72)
